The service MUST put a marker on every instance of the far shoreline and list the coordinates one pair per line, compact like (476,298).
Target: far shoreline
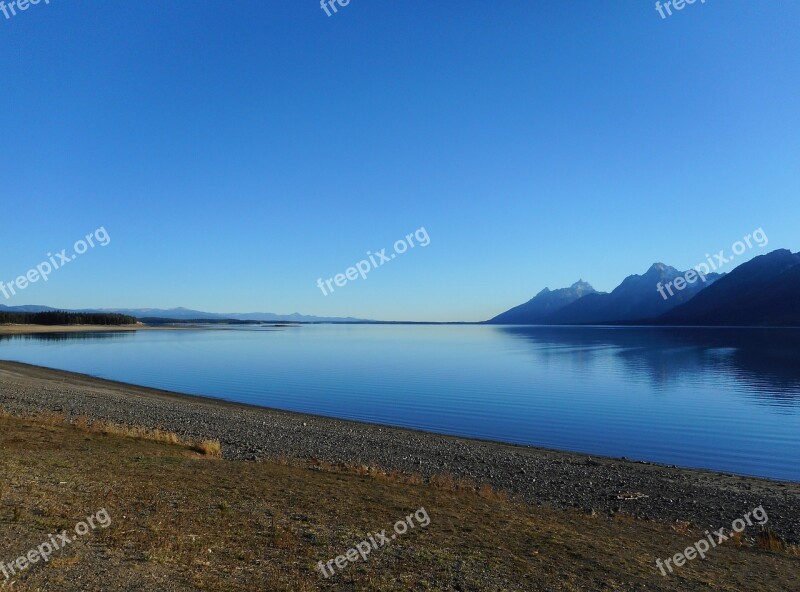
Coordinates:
(179,325)
(38,329)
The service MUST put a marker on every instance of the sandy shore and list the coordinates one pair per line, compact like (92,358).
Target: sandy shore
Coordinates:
(708,499)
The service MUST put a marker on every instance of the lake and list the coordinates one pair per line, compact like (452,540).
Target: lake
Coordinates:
(723,399)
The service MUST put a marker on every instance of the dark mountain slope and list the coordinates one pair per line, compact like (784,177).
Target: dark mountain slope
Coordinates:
(539,308)
(763,291)
(637,297)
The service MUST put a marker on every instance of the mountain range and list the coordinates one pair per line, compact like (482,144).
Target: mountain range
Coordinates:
(763,291)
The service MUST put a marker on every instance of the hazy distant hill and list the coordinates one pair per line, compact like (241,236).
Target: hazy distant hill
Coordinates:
(27,308)
(763,291)
(539,308)
(186,314)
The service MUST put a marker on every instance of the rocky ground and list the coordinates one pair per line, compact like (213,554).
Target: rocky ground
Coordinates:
(564,480)
(604,485)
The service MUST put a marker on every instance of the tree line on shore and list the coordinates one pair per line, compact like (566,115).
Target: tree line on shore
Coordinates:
(65,318)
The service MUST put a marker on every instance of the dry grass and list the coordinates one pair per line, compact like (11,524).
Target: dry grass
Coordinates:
(181,523)
(770,541)
(210,448)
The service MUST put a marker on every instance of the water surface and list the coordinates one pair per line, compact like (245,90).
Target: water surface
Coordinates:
(722,399)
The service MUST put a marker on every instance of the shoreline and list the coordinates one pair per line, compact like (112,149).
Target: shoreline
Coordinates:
(12,329)
(40,329)
(536,475)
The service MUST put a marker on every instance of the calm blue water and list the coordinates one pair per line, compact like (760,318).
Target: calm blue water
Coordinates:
(720,399)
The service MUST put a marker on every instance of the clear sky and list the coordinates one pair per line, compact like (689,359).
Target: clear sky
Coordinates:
(237,151)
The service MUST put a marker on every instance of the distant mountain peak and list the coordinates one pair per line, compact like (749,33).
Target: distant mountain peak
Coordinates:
(659,268)
(780,254)
(538,308)
(581,285)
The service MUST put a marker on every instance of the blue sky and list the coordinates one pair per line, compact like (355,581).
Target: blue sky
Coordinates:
(236,152)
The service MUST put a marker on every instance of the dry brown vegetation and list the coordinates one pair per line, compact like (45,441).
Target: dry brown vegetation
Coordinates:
(183,522)
(211,448)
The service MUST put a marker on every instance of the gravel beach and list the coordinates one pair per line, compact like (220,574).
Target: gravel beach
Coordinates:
(707,499)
